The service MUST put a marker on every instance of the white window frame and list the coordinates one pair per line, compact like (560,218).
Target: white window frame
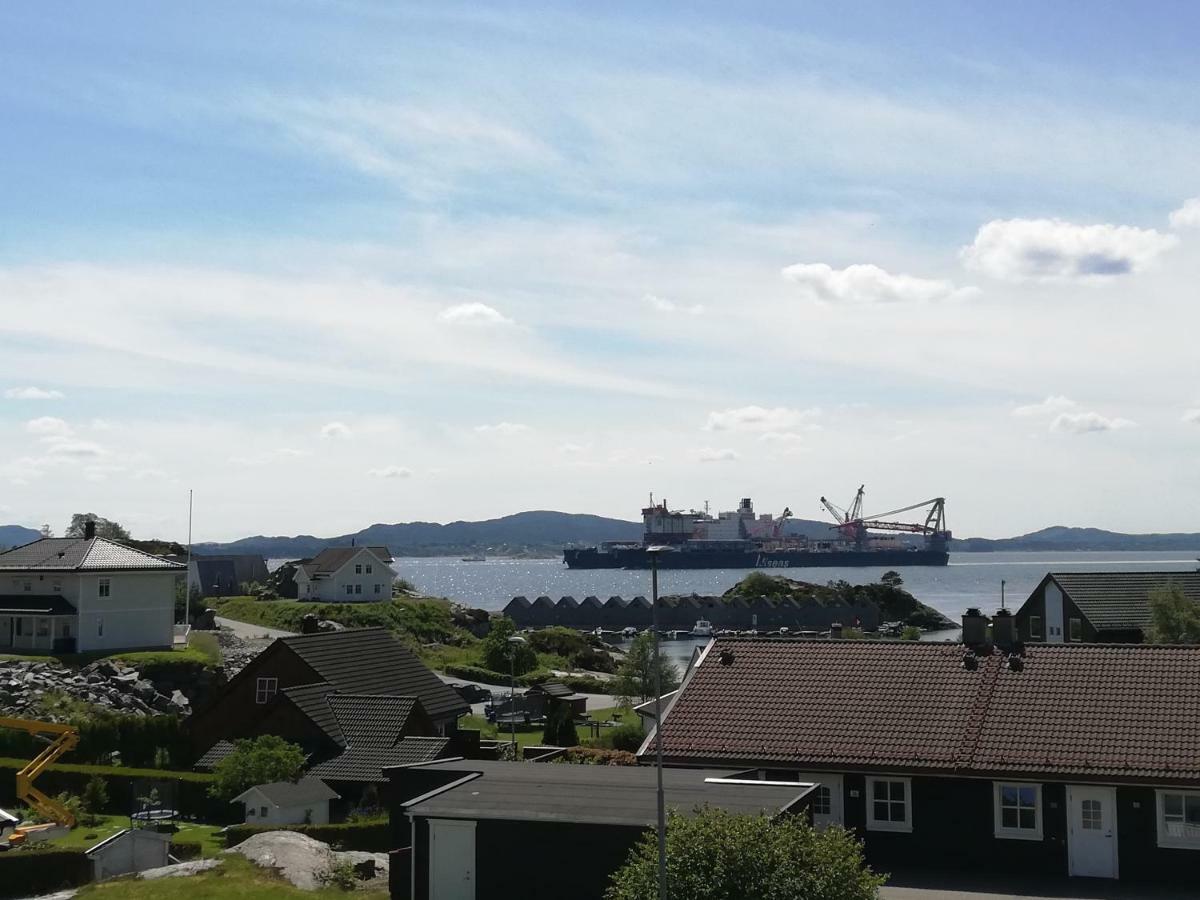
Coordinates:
(1035,632)
(1019,834)
(104,587)
(1164,839)
(358,568)
(379,588)
(874,824)
(368,568)
(349,590)
(358,589)
(265,688)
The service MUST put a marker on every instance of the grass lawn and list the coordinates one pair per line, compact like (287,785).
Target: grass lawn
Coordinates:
(85,836)
(532,735)
(236,879)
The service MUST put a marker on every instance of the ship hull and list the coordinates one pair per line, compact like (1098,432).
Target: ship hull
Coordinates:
(638,558)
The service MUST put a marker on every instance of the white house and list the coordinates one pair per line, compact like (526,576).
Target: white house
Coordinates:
(304,802)
(347,575)
(131,850)
(70,595)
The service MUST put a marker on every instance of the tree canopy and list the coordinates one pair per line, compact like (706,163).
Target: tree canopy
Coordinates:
(501,655)
(1174,618)
(716,855)
(635,674)
(261,760)
(105,528)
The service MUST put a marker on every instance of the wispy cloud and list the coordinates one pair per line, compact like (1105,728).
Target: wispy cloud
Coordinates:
(1188,215)
(714,455)
(758,418)
(502,429)
(473,314)
(76,449)
(866,283)
(390,472)
(1087,423)
(1052,404)
(336,430)
(1054,250)
(32,393)
(663,305)
(49,426)
(1191,416)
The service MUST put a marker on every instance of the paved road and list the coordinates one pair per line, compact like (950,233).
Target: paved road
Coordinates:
(249,632)
(960,886)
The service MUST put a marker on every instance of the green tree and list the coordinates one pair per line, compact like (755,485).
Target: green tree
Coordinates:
(716,855)
(891,578)
(501,655)
(94,799)
(560,726)
(1174,618)
(260,760)
(105,528)
(635,674)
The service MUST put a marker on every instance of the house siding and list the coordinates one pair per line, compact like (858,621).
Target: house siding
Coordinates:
(332,588)
(1036,606)
(1140,857)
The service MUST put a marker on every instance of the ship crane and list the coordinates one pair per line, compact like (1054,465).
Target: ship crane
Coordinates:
(855,526)
(782,521)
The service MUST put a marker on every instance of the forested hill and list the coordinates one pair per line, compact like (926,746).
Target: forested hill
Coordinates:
(1064,538)
(528,533)
(16,535)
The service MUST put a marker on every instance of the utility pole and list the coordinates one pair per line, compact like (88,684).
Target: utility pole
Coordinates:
(514,642)
(658,726)
(187,591)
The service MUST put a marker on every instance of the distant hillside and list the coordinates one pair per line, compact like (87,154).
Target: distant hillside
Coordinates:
(1061,537)
(16,535)
(527,533)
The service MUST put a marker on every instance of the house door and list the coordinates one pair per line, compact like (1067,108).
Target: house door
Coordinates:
(827,800)
(451,860)
(1092,831)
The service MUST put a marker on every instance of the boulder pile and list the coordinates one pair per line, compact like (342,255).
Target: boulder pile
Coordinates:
(104,683)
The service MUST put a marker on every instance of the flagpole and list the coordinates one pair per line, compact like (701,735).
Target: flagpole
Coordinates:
(187,598)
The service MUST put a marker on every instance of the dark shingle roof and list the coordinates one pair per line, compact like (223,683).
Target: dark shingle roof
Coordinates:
(214,755)
(289,793)
(1121,600)
(371,721)
(1080,709)
(608,795)
(312,701)
(371,661)
(552,689)
(367,764)
(331,559)
(81,554)
(36,604)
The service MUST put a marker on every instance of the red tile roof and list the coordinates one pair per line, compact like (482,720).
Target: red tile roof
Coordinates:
(1085,710)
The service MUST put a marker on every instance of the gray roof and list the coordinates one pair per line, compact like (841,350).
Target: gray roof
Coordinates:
(36,604)
(214,755)
(1121,600)
(331,559)
(289,793)
(372,661)
(367,763)
(372,721)
(313,701)
(81,554)
(602,795)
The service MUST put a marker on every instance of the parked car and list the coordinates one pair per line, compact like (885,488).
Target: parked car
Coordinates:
(472,693)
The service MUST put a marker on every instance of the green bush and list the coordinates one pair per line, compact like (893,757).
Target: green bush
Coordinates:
(560,726)
(373,837)
(205,643)
(594,756)
(34,871)
(185,850)
(627,737)
(265,759)
(587,684)
(424,620)
(499,653)
(340,875)
(136,738)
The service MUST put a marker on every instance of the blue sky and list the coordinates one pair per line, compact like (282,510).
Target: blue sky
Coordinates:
(537,256)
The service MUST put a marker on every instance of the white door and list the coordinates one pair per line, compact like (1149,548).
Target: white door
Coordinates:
(827,804)
(451,860)
(1092,831)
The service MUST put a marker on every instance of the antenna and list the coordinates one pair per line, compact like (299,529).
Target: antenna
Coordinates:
(187,593)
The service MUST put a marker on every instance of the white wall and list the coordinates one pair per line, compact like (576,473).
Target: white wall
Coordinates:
(333,588)
(133,851)
(138,613)
(1054,614)
(316,813)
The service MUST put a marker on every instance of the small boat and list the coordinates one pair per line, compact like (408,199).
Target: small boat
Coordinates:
(702,628)
(477,558)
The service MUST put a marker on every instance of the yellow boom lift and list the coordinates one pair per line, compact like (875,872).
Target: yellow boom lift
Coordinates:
(65,738)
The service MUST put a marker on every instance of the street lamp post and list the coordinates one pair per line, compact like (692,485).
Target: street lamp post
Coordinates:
(653,552)
(514,642)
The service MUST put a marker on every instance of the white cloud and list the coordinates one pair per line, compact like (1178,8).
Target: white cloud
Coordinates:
(785,439)
(866,283)
(758,418)
(1188,215)
(710,455)
(1054,250)
(32,393)
(572,449)
(1088,422)
(48,426)
(1192,417)
(503,429)
(473,314)
(76,449)
(269,456)
(336,430)
(667,306)
(390,472)
(1053,404)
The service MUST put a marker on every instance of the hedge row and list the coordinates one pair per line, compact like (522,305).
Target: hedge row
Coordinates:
(28,873)
(137,738)
(373,837)
(187,791)
(185,850)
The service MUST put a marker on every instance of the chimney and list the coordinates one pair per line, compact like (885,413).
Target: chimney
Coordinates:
(835,630)
(975,630)
(89,530)
(1004,630)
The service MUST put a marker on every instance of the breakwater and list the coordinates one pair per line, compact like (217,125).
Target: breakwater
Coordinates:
(677,612)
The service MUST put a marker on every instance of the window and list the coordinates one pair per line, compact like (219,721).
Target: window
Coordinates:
(28,586)
(1019,811)
(249,811)
(822,801)
(368,568)
(1035,626)
(104,588)
(1077,629)
(358,589)
(379,588)
(1091,814)
(57,585)
(349,589)
(262,812)
(307,588)
(264,690)
(888,804)
(1179,819)
(99,626)
(43,628)
(358,569)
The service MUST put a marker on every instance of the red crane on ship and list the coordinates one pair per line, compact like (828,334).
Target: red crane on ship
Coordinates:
(854,525)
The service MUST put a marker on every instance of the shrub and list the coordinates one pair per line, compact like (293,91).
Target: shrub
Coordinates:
(185,850)
(500,654)
(33,871)
(588,684)
(94,799)
(593,756)
(205,643)
(627,737)
(340,874)
(261,760)
(373,837)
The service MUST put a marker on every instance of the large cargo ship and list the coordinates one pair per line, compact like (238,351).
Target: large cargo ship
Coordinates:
(742,540)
